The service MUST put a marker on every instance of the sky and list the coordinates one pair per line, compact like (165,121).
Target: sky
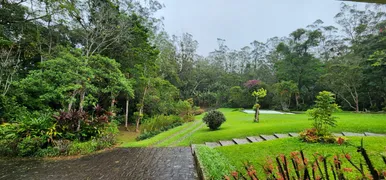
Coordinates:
(240,22)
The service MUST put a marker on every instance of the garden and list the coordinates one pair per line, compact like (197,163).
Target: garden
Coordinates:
(84,77)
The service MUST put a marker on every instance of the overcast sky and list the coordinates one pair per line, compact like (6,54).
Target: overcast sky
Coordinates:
(240,22)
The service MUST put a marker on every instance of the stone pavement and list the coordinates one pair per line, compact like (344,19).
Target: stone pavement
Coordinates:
(254,139)
(120,163)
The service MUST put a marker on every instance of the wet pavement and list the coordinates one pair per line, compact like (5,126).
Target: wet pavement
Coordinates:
(120,163)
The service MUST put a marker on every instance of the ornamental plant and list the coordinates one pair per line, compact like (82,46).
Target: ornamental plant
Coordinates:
(321,114)
(259,94)
(297,166)
(214,119)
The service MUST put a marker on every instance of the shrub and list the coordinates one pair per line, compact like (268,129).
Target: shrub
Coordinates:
(48,152)
(82,148)
(156,123)
(296,166)
(146,135)
(7,147)
(29,146)
(312,136)
(197,111)
(214,119)
(321,114)
(63,146)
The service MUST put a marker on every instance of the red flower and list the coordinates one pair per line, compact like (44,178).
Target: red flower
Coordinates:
(347,156)
(340,140)
(234,174)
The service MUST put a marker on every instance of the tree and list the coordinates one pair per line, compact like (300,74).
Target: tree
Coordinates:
(344,77)
(259,94)
(321,114)
(284,90)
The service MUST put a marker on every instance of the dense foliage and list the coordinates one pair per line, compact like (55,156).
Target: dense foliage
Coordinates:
(61,61)
(214,119)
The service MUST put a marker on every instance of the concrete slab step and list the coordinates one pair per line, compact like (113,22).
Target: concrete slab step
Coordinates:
(268,137)
(281,135)
(212,144)
(254,139)
(227,143)
(241,141)
(352,134)
(373,134)
(293,134)
(337,134)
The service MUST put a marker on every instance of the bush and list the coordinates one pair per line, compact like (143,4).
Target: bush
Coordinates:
(82,148)
(156,123)
(197,111)
(214,119)
(7,147)
(29,146)
(146,135)
(312,136)
(48,152)
(339,166)
(321,114)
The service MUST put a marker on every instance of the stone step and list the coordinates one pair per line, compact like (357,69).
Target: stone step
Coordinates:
(212,144)
(227,143)
(337,134)
(293,134)
(268,137)
(373,134)
(352,134)
(254,139)
(281,135)
(241,141)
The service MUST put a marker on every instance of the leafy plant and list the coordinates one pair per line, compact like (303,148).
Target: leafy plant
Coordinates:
(261,93)
(146,135)
(313,136)
(214,119)
(29,146)
(296,166)
(321,114)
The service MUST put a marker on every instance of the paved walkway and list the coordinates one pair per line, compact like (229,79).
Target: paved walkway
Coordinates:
(254,139)
(121,163)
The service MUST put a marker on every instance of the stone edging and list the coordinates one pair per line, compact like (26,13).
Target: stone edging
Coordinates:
(260,138)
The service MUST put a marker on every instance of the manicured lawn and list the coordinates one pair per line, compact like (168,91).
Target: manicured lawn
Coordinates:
(257,153)
(157,138)
(240,124)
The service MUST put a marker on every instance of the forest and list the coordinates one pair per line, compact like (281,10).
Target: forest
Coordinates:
(73,70)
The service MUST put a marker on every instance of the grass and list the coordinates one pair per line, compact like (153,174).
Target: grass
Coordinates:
(257,153)
(215,165)
(157,138)
(239,125)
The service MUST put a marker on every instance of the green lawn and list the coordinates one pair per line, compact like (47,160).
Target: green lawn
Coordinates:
(239,124)
(160,137)
(257,153)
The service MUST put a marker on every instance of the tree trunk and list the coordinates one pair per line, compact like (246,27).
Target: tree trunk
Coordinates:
(140,115)
(297,100)
(72,97)
(127,113)
(257,114)
(82,95)
(112,105)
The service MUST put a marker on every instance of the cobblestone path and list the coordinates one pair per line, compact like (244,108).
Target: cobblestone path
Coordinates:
(121,163)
